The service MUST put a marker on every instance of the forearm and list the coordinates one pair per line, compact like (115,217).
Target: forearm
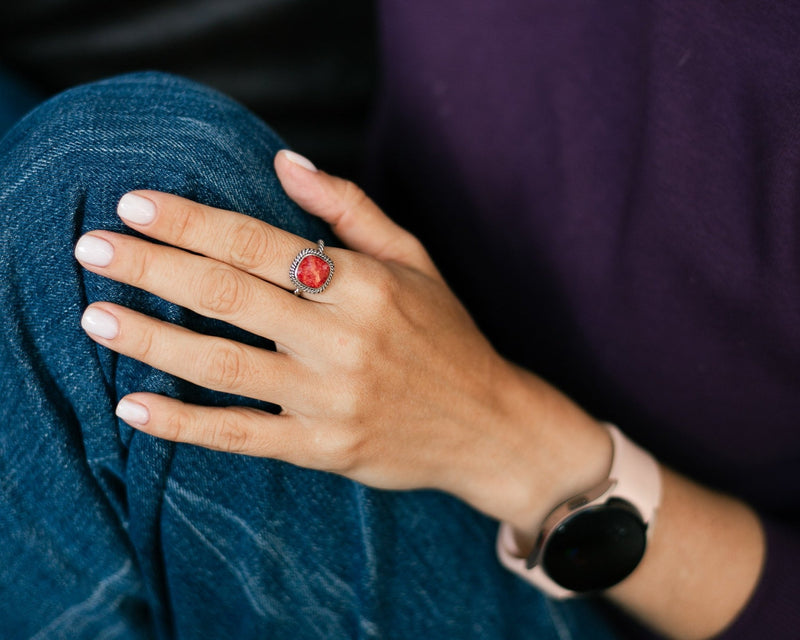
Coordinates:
(702,564)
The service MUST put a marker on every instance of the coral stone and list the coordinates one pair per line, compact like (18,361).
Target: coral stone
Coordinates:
(313,271)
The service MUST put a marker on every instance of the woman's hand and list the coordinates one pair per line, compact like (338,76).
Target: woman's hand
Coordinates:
(383,377)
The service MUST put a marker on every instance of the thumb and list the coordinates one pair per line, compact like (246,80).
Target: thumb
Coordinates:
(352,215)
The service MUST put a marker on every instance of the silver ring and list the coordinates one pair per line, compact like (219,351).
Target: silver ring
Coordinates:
(311,270)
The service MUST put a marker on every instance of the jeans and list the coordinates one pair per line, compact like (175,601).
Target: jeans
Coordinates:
(111,533)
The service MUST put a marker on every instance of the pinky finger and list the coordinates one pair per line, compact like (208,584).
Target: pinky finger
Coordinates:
(230,429)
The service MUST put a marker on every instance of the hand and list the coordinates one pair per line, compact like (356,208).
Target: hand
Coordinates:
(383,377)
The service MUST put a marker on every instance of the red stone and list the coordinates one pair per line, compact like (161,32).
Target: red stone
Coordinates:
(313,271)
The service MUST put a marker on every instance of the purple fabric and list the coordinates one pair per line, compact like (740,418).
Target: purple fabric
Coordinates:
(613,188)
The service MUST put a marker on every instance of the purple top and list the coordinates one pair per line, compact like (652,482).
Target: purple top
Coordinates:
(613,188)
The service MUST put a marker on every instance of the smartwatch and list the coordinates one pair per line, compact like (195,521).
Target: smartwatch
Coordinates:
(596,539)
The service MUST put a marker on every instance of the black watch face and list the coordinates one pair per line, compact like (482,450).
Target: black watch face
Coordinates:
(595,548)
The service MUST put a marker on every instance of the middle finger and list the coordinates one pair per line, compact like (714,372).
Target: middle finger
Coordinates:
(234,238)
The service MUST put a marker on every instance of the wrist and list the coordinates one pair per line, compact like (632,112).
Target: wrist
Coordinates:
(553,451)
(596,538)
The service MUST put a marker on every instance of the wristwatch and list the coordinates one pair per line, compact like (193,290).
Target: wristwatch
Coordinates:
(596,539)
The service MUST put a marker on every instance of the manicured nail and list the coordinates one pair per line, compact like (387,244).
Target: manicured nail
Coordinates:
(132,412)
(296,158)
(94,251)
(100,323)
(136,209)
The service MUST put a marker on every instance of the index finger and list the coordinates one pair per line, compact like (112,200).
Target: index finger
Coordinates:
(234,238)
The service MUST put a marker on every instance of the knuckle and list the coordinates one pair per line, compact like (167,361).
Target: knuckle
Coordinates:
(221,291)
(346,403)
(249,243)
(180,426)
(353,196)
(223,366)
(338,451)
(146,345)
(229,435)
(383,289)
(184,219)
(141,267)
(409,245)
(353,355)
(353,401)
(387,288)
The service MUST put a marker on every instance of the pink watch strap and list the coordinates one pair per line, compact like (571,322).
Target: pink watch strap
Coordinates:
(636,479)
(637,475)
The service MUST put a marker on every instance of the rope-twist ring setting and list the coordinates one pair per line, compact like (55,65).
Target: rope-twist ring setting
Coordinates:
(311,270)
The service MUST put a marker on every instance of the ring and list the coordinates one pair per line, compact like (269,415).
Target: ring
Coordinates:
(312,270)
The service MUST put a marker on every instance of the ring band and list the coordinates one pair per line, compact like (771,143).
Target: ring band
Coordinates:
(311,270)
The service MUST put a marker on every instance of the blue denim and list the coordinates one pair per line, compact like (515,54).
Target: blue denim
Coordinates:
(110,533)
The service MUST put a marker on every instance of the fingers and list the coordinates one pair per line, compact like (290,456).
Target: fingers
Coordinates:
(233,429)
(235,268)
(354,217)
(233,238)
(215,363)
(209,287)
(237,430)
(267,252)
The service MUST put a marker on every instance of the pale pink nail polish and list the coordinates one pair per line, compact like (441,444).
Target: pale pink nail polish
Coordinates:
(297,159)
(100,323)
(94,251)
(136,209)
(132,412)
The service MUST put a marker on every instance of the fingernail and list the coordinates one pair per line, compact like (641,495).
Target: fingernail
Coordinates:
(132,412)
(100,323)
(136,209)
(94,251)
(296,158)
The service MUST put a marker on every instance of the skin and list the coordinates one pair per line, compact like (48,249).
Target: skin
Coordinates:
(385,379)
